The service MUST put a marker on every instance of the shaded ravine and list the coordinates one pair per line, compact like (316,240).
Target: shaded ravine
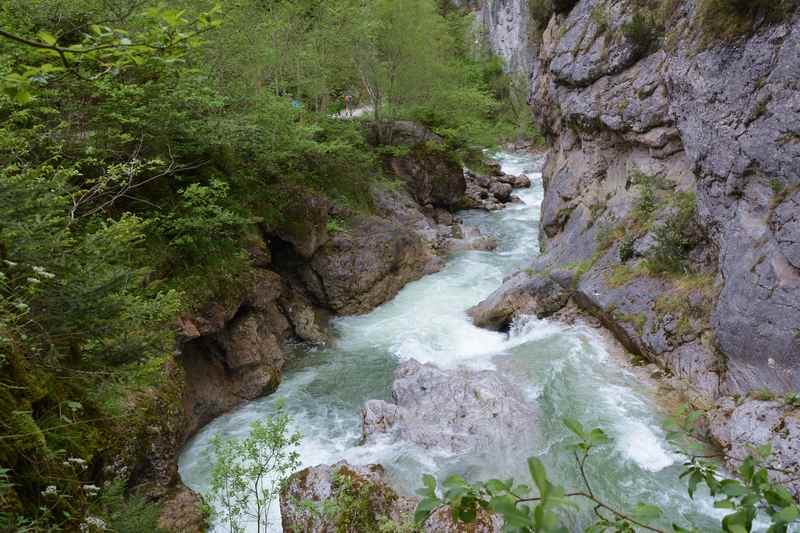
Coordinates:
(564,370)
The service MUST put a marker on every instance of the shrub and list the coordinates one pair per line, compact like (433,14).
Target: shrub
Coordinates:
(626,251)
(674,238)
(646,202)
(641,32)
(727,19)
(540,11)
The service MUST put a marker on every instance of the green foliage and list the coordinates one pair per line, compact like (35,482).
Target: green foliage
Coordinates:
(540,508)
(144,147)
(674,237)
(647,201)
(540,12)
(641,31)
(626,248)
(248,475)
(728,19)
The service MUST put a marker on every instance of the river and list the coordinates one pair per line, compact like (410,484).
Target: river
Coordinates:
(564,371)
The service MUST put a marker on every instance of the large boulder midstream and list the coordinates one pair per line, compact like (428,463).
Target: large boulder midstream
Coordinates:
(458,410)
(356,499)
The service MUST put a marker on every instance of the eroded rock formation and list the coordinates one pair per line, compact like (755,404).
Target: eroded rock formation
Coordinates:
(684,133)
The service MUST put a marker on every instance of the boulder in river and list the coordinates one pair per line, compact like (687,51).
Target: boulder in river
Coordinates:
(458,410)
(522,293)
(359,499)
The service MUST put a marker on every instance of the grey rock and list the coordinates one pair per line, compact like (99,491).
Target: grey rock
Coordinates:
(367,264)
(739,428)
(501,191)
(458,410)
(522,293)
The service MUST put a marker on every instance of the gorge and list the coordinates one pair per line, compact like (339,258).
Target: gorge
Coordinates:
(456,245)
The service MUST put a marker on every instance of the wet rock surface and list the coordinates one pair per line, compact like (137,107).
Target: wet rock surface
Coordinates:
(302,502)
(521,294)
(233,351)
(366,264)
(708,120)
(457,410)
(493,190)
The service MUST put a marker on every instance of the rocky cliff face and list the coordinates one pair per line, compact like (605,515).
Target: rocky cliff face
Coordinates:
(672,188)
(507,26)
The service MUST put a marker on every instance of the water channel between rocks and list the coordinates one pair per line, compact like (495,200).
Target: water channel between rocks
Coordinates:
(563,371)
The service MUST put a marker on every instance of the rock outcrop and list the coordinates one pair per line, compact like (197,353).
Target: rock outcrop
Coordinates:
(635,132)
(741,426)
(363,501)
(233,351)
(493,190)
(431,173)
(458,410)
(669,144)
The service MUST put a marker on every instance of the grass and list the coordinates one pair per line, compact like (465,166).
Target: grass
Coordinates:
(622,275)
(730,19)
(678,303)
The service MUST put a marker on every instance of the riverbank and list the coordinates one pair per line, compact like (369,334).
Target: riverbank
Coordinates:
(562,370)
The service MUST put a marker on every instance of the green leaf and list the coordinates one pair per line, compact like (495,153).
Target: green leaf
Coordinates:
(22,96)
(538,474)
(747,469)
(495,486)
(575,427)
(424,509)
(778,496)
(598,437)
(47,38)
(694,480)
(454,481)
(646,512)
(786,515)
(732,488)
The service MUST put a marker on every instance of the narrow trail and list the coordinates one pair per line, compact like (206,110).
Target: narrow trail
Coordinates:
(563,371)
(358,112)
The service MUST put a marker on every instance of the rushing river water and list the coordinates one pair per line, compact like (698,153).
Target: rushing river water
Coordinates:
(564,371)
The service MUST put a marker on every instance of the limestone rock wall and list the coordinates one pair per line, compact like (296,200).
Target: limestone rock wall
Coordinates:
(639,132)
(506,24)
(716,120)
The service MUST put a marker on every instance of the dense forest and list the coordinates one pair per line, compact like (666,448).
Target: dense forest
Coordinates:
(143,145)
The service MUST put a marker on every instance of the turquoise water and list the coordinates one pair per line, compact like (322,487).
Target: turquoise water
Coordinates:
(563,370)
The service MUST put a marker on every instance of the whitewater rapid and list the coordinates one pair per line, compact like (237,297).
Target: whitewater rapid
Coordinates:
(564,371)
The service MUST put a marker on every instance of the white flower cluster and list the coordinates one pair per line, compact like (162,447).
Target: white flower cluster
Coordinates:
(76,461)
(91,490)
(43,273)
(93,523)
(51,490)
